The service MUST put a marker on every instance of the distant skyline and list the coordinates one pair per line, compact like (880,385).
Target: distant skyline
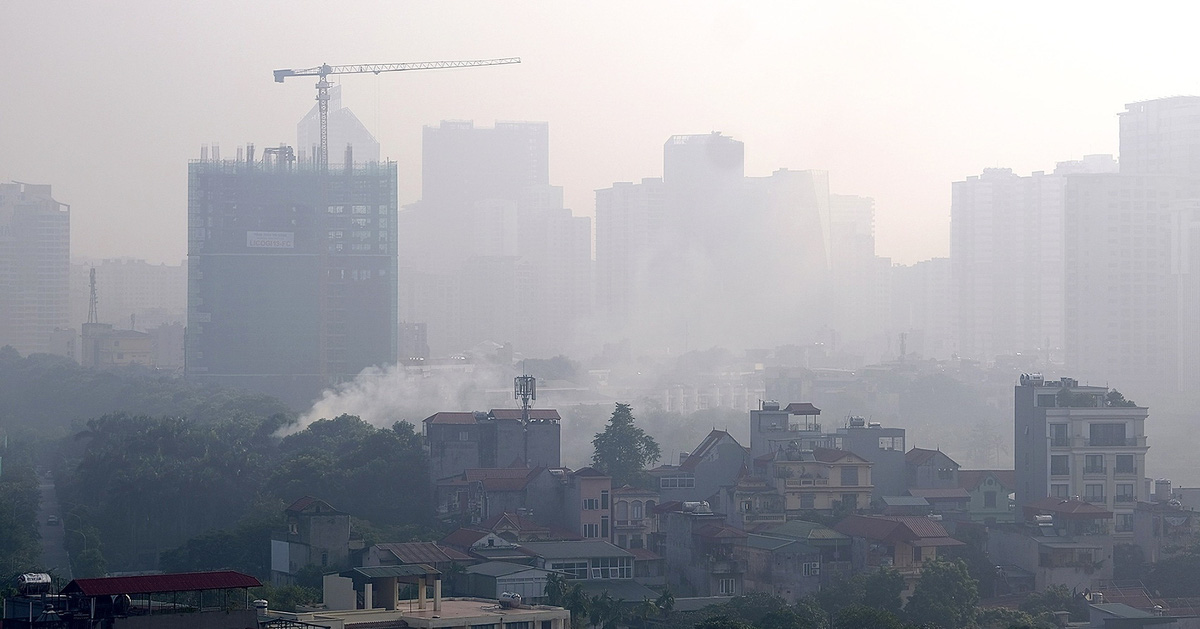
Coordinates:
(895,100)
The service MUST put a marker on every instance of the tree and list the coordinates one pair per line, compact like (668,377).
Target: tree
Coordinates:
(945,595)
(882,589)
(623,450)
(866,617)
(722,622)
(1056,598)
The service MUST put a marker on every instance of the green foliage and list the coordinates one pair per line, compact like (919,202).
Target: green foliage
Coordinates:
(1177,576)
(866,617)
(1054,599)
(722,622)
(1068,398)
(945,596)
(1004,618)
(1129,562)
(1114,398)
(20,543)
(975,555)
(624,450)
(882,589)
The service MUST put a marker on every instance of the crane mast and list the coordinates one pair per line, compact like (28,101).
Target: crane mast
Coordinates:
(323,84)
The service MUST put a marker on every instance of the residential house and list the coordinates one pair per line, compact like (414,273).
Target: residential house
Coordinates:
(631,516)
(1164,529)
(817,479)
(493,578)
(905,543)
(930,469)
(990,492)
(1059,542)
(701,553)
(587,507)
(786,567)
(595,564)
(951,502)
(752,502)
(835,548)
(317,534)
(458,441)
(716,462)
(484,546)
(477,494)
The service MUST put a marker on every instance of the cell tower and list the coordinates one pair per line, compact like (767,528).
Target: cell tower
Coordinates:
(92,316)
(525,389)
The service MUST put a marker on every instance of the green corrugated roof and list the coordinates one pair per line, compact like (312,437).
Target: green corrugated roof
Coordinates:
(811,532)
(767,542)
(383,572)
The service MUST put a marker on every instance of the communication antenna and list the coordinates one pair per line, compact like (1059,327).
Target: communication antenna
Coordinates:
(525,389)
(92,316)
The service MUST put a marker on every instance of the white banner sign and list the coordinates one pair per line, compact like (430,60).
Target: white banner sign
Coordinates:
(271,240)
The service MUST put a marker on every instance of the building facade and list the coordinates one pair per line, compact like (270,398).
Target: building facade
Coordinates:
(1082,443)
(35,256)
(291,274)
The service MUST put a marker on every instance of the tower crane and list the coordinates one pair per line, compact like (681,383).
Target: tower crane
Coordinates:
(323,84)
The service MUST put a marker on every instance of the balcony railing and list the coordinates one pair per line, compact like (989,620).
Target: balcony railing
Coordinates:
(726,566)
(1108,442)
(1094,469)
(634,524)
(764,517)
(1060,442)
(805,482)
(1125,470)
(1125,499)
(1095,499)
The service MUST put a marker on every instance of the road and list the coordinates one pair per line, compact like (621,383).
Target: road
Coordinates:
(54,554)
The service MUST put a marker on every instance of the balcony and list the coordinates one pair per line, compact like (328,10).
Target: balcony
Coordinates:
(1124,499)
(1095,469)
(806,482)
(726,566)
(1095,499)
(1125,471)
(630,524)
(1111,442)
(749,518)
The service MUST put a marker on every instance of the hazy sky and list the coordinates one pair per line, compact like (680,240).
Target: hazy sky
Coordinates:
(107,101)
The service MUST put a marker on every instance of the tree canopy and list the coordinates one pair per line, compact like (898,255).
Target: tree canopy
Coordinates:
(623,450)
(946,596)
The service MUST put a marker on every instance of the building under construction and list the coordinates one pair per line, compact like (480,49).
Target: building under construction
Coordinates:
(291,272)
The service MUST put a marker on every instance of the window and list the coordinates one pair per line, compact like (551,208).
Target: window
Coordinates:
(1058,435)
(604,499)
(680,482)
(637,510)
(850,476)
(812,569)
(1106,434)
(324,559)
(612,567)
(573,569)
(1093,464)
(590,504)
(604,527)
(727,587)
(635,541)
(1060,491)
(1125,464)
(916,554)
(464,435)
(1124,522)
(850,501)
(1125,492)
(808,501)
(623,541)
(591,530)
(1059,465)
(621,510)
(989,499)
(1093,492)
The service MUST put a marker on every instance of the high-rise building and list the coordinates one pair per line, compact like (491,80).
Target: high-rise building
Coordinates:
(35,257)
(679,259)
(1161,137)
(129,293)
(1079,442)
(1008,265)
(291,273)
(921,308)
(489,254)
(344,129)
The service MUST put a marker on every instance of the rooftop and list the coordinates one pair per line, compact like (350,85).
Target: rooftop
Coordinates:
(158,583)
(574,549)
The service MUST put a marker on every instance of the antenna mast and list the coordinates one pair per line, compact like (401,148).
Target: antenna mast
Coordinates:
(525,389)
(92,316)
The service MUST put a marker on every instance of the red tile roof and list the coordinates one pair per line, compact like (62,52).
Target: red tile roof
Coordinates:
(802,408)
(156,583)
(970,479)
(462,538)
(644,554)
(451,417)
(502,478)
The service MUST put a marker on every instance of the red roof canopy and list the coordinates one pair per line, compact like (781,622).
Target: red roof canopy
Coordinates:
(157,583)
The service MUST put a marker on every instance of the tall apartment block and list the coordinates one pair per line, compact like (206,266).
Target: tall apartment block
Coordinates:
(1078,441)
(1161,137)
(35,258)
(291,273)
(490,254)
